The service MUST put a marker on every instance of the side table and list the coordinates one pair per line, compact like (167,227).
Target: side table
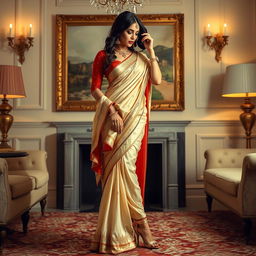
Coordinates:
(13,154)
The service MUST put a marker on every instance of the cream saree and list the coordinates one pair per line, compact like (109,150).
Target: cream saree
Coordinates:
(114,155)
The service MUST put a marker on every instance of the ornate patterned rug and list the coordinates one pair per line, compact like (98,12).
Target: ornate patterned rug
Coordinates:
(178,233)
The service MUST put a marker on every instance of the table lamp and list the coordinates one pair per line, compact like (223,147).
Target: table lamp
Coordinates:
(240,81)
(11,86)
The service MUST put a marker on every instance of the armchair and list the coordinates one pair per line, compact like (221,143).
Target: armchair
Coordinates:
(23,183)
(230,178)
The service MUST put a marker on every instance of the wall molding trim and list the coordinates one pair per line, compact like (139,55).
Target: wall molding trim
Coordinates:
(18,140)
(219,123)
(17,103)
(194,186)
(31,125)
(190,123)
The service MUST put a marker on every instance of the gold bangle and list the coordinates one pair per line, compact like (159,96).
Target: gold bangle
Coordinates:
(154,59)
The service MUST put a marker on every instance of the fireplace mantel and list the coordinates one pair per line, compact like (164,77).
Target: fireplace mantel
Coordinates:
(170,134)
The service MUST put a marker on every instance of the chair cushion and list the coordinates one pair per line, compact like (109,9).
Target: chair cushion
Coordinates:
(226,179)
(20,185)
(41,177)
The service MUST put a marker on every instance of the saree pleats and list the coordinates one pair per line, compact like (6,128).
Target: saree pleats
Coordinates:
(120,203)
(114,156)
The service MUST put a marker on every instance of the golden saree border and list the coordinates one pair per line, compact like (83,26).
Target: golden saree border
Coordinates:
(98,122)
(114,248)
(122,146)
(122,68)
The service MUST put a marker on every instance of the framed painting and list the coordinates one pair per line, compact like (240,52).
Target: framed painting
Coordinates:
(80,37)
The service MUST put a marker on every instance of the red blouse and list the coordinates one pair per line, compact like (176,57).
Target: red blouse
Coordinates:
(98,69)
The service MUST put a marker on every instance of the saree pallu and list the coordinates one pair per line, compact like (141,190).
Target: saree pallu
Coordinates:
(114,155)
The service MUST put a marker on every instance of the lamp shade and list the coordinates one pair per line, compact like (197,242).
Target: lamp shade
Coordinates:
(11,82)
(240,81)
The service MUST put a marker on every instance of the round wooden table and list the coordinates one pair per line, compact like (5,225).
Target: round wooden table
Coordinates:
(13,154)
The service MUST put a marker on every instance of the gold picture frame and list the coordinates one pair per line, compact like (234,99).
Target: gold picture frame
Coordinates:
(80,37)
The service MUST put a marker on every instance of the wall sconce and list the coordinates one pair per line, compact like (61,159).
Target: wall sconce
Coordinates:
(20,44)
(217,42)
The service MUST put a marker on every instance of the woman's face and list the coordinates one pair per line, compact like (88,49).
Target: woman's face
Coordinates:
(129,36)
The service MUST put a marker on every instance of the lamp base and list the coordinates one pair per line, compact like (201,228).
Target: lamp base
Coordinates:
(4,150)
(5,147)
(5,124)
(247,118)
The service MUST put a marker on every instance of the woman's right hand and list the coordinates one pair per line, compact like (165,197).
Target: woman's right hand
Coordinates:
(116,122)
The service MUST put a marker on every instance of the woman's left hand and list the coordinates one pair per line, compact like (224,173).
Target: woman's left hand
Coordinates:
(147,40)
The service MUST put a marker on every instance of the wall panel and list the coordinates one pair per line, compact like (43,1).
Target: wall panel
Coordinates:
(209,75)
(33,68)
(27,142)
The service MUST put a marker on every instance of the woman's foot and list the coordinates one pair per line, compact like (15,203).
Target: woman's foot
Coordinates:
(142,229)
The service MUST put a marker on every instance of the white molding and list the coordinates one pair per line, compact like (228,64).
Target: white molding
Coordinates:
(42,49)
(63,3)
(220,123)
(195,123)
(31,125)
(17,141)
(200,150)
(163,2)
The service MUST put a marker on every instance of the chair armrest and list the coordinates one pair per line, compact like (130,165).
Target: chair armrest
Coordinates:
(226,157)
(247,187)
(36,160)
(250,161)
(5,192)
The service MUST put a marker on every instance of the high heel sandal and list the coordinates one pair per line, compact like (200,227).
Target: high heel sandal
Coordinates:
(141,228)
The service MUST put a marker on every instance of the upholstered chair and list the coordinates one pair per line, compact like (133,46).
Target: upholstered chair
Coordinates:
(230,178)
(23,183)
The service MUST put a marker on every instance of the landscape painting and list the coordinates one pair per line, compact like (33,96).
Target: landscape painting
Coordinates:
(84,37)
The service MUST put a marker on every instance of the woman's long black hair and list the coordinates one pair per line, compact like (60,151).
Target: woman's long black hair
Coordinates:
(123,21)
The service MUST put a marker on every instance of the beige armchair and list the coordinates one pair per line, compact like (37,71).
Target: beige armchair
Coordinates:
(23,183)
(230,178)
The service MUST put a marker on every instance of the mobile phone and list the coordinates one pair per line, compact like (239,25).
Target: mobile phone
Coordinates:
(139,42)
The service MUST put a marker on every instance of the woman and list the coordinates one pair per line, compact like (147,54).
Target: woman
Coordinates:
(119,140)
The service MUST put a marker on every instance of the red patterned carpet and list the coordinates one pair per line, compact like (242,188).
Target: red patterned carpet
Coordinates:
(178,233)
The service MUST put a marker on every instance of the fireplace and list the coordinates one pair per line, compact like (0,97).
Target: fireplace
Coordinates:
(90,194)
(165,186)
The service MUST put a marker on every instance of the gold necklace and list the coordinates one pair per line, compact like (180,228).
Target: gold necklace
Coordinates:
(123,53)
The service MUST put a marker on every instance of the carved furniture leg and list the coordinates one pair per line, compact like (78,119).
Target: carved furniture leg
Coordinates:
(247,229)
(2,236)
(25,219)
(43,204)
(209,202)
